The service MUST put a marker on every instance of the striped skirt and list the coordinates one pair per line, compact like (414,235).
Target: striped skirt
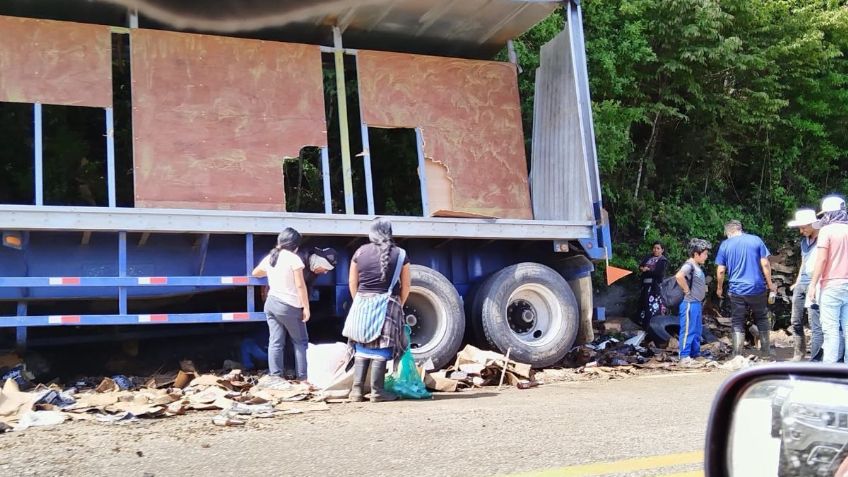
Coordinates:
(392,335)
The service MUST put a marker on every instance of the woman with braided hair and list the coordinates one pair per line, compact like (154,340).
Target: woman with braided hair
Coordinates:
(373,271)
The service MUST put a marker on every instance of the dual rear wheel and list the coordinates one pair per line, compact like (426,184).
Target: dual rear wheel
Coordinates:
(527,309)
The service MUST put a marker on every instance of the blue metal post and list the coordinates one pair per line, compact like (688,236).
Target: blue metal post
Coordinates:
(366,162)
(251,299)
(21,331)
(39,164)
(122,272)
(110,157)
(422,175)
(325,176)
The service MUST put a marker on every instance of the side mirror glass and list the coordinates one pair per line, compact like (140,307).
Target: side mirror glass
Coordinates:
(792,422)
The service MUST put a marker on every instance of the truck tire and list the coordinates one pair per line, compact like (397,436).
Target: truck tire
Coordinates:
(434,312)
(530,310)
(478,293)
(663,327)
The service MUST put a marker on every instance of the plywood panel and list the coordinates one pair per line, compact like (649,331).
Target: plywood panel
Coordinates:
(214,117)
(470,118)
(50,62)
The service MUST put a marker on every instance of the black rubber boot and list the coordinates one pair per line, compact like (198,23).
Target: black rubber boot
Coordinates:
(765,345)
(738,343)
(378,380)
(800,348)
(360,371)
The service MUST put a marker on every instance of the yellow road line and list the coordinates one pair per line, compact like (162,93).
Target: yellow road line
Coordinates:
(627,465)
(694,473)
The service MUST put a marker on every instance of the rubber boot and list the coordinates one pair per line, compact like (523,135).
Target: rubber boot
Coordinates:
(738,343)
(360,371)
(765,345)
(378,381)
(800,348)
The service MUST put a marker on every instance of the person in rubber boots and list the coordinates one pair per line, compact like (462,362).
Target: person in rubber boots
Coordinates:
(744,259)
(373,272)
(803,221)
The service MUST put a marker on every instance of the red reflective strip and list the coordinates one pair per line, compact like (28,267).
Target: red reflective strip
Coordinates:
(158,318)
(70,281)
(158,280)
(240,280)
(241,316)
(70,319)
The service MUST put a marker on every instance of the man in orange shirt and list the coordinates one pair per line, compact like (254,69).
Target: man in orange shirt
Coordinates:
(829,284)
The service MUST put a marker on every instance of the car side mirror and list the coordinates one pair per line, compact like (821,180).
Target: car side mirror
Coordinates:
(780,420)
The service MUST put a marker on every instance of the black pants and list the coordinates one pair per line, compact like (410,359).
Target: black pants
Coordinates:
(740,304)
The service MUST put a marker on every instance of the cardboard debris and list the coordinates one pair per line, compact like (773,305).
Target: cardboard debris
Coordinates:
(476,368)
(14,403)
(183,379)
(474,356)
(108,385)
(440,382)
(40,419)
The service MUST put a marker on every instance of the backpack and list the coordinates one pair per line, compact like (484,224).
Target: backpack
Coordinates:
(671,292)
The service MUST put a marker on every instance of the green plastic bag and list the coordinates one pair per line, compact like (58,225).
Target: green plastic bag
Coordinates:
(405,381)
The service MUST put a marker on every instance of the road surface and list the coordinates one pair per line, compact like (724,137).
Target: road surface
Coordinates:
(639,426)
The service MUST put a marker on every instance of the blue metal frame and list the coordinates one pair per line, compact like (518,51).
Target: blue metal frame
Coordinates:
(249,264)
(325,178)
(21,322)
(366,162)
(39,152)
(422,175)
(110,157)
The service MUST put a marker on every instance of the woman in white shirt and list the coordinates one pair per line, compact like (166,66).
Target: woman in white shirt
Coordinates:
(287,305)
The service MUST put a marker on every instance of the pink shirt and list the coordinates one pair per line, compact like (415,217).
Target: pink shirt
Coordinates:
(834,239)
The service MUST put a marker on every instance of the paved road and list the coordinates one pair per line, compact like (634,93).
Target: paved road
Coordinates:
(637,426)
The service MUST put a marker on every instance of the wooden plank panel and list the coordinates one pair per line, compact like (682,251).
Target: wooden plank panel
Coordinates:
(214,117)
(470,118)
(50,62)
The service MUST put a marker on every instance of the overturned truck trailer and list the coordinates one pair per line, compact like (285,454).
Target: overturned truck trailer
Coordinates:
(152,155)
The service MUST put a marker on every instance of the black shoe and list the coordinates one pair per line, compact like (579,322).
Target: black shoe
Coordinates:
(360,371)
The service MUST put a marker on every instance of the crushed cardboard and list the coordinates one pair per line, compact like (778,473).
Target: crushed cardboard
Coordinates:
(477,368)
(236,396)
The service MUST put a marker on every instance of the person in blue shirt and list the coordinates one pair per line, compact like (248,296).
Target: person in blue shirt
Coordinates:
(743,258)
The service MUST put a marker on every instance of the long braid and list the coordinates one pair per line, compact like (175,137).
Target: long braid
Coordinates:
(385,256)
(381,236)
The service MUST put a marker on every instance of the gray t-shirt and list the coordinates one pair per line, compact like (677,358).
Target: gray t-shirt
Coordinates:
(694,275)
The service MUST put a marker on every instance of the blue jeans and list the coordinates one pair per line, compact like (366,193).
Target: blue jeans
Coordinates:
(833,310)
(690,329)
(285,320)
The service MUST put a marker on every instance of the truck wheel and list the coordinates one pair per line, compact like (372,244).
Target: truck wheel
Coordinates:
(529,309)
(435,314)
(478,293)
(663,327)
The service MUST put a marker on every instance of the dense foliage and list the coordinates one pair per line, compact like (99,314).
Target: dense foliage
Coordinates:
(709,110)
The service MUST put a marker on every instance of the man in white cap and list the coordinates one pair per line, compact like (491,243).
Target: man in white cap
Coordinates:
(803,221)
(829,283)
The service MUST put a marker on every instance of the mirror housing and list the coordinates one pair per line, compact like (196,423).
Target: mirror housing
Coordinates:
(719,429)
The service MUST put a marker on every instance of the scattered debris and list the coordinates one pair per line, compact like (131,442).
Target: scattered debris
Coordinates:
(477,368)
(40,419)
(120,400)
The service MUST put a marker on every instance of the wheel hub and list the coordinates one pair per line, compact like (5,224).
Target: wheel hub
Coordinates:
(521,316)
